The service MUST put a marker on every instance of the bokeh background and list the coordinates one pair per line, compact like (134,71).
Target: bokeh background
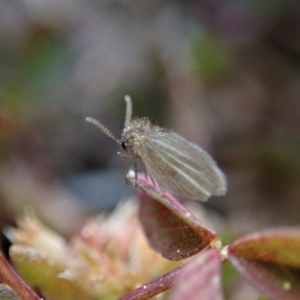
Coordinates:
(224,74)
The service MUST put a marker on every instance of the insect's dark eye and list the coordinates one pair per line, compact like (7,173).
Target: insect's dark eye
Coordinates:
(123,145)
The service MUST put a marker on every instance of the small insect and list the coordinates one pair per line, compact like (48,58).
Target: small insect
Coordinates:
(177,165)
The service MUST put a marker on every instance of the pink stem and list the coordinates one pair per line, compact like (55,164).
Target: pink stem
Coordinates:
(154,287)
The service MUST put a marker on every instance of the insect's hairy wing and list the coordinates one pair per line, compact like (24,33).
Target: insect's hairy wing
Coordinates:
(182,167)
(159,168)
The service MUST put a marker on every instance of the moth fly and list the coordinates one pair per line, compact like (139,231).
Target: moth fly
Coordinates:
(177,165)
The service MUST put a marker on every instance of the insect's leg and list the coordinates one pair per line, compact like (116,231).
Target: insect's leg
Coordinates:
(157,187)
(152,180)
(149,176)
(121,156)
(154,183)
(135,169)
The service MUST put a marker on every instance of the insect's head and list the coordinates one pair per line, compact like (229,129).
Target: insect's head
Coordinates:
(128,139)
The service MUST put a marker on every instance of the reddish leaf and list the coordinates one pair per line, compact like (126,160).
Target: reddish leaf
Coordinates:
(170,228)
(270,260)
(200,279)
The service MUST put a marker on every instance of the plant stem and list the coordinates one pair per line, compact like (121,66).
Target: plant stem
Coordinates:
(154,287)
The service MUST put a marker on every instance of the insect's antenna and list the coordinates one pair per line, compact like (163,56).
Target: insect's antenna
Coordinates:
(128,110)
(104,129)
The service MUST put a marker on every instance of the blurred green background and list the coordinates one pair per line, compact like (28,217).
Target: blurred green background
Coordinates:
(224,74)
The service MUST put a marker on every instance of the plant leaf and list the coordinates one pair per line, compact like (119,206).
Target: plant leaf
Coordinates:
(43,272)
(170,228)
(270,260)
(200,278)
(11,278)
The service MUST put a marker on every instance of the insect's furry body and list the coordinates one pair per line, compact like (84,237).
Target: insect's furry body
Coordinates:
(136,133)
(177,165)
